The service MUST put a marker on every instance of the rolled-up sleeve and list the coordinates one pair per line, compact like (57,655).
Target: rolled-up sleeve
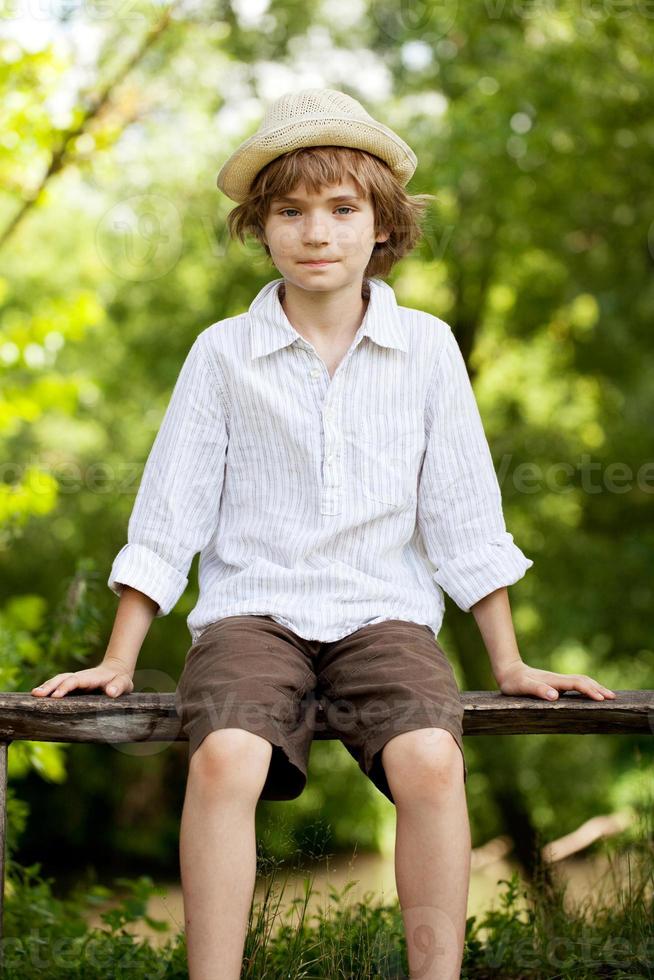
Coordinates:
(460,517)
(176,508)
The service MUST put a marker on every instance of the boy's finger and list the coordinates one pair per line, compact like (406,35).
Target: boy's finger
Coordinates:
(120,684)
(42,689)
(579,682)
(69,684)
(589,687)
(49,684)
(592,690)
(606,691)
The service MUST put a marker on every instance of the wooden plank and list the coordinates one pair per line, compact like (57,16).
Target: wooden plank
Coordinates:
(137,717)
(83,717)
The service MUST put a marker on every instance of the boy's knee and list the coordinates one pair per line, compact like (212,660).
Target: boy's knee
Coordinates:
(421,763)
(233,759)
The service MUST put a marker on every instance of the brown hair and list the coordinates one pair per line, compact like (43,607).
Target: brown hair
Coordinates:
(323,166)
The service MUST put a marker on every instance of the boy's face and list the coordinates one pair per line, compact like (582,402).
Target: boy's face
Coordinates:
(335,224)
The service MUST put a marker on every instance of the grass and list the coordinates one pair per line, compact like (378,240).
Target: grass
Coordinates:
(533,933)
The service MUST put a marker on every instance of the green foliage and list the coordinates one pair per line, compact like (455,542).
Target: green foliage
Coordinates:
(532,124)
(537,932)
(32,640)
(44,934)
(337,806)
(533,932)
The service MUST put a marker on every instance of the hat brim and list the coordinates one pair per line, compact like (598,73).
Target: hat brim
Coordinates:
(239,170)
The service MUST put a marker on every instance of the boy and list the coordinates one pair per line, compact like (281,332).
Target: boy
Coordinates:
(325,455)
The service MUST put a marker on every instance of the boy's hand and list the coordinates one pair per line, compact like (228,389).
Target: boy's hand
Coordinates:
(520,678)
(111,675)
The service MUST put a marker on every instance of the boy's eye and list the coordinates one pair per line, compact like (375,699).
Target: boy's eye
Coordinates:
(344,207)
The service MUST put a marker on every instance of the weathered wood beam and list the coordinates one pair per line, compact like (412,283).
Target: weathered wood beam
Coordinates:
(152,717)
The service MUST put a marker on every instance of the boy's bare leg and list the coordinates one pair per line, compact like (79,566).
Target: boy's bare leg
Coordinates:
(432,848)
(218,849)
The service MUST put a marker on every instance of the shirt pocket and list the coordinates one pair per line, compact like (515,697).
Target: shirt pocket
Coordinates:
(391,450)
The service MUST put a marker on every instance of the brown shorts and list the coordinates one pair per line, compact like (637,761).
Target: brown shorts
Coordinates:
(252,672)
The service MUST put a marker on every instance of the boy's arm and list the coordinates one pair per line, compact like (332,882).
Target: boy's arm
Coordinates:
(177,504)
(174,516)
(133,618)
(462,526)
(460,516)
(114,674)
(513,675)
(493,617)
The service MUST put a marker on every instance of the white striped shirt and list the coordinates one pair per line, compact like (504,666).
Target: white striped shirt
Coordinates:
(325,503)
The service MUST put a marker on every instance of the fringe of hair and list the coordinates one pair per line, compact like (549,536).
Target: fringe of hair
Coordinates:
(323,166)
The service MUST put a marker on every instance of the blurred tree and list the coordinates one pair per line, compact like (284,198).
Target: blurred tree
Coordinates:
(533,126)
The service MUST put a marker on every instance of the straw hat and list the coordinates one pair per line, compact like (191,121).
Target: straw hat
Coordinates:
(313,117)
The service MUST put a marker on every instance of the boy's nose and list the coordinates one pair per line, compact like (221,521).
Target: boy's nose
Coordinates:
(316,238)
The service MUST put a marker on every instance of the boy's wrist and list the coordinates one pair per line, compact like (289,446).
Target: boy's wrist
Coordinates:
(493,617)
(125,664)
(500,673)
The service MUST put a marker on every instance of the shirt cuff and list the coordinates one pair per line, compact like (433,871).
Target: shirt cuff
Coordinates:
(475,574)
(143,569)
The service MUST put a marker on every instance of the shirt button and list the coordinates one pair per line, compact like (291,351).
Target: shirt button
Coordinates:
(315,373)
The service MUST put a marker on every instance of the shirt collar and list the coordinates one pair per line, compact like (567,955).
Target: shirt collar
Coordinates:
(270,328)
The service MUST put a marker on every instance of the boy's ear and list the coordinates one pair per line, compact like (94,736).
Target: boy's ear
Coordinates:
(383,236)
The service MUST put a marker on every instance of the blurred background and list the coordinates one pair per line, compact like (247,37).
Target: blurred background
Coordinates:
(533,124)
